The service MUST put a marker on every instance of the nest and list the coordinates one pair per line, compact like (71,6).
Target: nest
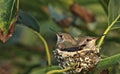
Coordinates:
(80,60)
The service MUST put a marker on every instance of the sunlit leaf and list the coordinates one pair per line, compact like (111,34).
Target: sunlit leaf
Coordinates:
(8,17)
(28,21)
(65,4)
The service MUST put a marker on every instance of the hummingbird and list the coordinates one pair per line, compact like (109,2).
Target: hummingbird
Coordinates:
(83,44)
(80,51)
(65,40)
(87,42)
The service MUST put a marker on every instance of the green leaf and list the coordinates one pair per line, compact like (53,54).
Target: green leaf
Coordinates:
(113,17)
(104,4)
(8,17)
(107,62)
(44,70)
(36,8)
(117,25)
(28,20)
(65,4)
(113,10)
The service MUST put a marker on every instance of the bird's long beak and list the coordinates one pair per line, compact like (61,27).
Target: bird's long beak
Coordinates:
(95,38)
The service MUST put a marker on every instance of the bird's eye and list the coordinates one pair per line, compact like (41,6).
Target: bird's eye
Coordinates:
(83,45)
(89,40)
(60,36)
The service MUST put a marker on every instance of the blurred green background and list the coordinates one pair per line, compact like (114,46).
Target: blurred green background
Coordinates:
(24,53)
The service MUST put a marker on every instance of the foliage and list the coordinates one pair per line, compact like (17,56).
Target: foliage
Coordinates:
(8,17)
(29,44)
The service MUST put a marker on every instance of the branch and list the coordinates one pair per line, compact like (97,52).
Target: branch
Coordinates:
(58,71)
(106,31)
(46,46)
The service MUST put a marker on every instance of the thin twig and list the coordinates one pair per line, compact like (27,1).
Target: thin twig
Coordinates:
(46,47)
(45,44)
(58,71)
(62,70)
(107,30)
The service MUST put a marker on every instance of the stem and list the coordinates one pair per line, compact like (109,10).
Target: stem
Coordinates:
(10,17)
(63,70)
(106,31)
(46,47)
(45,44)
(18,3)
(58,71)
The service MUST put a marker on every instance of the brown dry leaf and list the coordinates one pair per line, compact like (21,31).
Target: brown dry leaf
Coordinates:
(83,13)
